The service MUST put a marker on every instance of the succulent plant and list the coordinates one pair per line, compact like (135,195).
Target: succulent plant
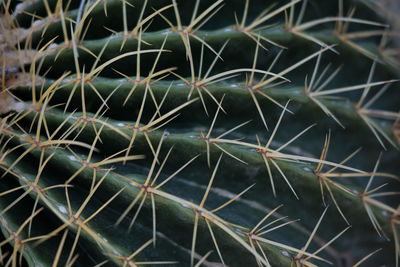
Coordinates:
(199,133)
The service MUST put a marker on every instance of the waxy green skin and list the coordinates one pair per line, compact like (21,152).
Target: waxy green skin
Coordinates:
(176,203)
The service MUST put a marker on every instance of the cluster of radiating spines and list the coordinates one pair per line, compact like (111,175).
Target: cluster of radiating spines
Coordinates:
(47,143)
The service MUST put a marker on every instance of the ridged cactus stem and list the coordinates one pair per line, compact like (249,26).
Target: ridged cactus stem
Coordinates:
(198,133)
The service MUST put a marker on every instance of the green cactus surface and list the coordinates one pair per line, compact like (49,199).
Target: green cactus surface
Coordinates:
(199,133)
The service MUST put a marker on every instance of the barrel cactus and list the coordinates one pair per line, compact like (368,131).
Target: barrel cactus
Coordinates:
(199,133)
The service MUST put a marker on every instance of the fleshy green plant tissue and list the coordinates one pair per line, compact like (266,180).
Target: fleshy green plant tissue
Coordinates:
(199,133)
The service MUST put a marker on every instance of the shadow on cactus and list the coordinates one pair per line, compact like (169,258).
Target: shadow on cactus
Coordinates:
(198,133)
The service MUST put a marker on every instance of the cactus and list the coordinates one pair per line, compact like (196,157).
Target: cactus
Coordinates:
(199,133)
